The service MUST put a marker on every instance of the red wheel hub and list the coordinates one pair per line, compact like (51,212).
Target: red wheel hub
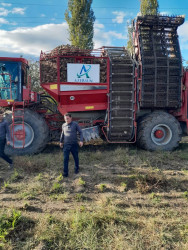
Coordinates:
(19,134)
(159,134)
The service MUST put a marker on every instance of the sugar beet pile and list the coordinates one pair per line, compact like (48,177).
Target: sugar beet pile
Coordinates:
(67,54)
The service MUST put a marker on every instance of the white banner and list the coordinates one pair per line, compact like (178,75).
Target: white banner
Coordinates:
(83,73)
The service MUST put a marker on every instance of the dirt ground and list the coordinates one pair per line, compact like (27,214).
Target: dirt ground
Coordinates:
(102,173)
(110,175)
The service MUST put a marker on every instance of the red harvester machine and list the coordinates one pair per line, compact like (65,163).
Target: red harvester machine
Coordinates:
(122,98)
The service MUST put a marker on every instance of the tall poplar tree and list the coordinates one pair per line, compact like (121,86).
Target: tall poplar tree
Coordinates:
(80,18)
(149,7)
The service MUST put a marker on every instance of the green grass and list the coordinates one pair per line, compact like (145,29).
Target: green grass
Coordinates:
(124,198)
(102,187)
(8,223)
(81,182)
(56,188)
(185,195)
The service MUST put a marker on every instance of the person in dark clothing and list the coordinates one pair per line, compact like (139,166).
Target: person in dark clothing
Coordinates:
(69,142)
(4,131)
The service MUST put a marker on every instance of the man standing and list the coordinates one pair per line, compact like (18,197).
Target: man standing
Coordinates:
(69,142)
(4,131)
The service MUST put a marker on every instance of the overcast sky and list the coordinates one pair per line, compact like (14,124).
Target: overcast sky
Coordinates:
(27,27)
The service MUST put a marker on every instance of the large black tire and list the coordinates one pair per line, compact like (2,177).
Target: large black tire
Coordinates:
(36,133)
(159,131)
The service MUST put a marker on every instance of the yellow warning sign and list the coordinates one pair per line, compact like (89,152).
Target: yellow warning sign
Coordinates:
(89,107)
(53,86)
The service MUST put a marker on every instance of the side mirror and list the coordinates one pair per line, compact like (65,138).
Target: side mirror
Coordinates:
(16,79)
(3,68)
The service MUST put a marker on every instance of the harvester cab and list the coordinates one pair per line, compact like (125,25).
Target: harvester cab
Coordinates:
(16,98)
(14,82)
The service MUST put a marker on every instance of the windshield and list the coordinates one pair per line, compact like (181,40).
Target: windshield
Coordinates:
(10,68)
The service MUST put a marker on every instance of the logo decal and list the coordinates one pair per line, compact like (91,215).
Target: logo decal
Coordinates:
(84,71)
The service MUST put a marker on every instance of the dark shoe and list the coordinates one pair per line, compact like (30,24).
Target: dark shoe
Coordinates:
(76,171)
(65,175)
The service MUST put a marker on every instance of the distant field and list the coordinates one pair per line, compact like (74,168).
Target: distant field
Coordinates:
(123,198)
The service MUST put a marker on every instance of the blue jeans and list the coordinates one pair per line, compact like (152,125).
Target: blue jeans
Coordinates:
(73,148)
(2,154)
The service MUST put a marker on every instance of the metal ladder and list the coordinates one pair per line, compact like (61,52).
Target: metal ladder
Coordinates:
(121,97)
(18,134)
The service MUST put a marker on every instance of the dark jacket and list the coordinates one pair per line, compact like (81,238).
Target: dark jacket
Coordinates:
(70,132)
(4,130)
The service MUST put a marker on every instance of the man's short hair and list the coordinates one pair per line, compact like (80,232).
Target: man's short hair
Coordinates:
(68,114)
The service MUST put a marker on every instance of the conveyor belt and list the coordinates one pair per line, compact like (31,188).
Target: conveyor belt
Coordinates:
(161,61)
(121,113)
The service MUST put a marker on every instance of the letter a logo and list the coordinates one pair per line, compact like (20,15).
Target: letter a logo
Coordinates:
(84,71)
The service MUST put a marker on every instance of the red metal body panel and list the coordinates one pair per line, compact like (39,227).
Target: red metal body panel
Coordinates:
(52,92)
(6,103)
(26,94)
(14,59)
(182,114)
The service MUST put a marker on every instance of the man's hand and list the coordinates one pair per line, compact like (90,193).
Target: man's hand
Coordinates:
(81,143)
(8,143)
(61,145)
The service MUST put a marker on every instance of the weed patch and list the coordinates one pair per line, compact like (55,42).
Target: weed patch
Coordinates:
(31,191)
(151,182)
(13,226)
(156,198)
(79,197)
(15,176)
(185,195)
(123,186)
(102,187)
(8,223)
(57,188)
(31,164)
(85,230)
(81,182)
(146,183)
(60,197)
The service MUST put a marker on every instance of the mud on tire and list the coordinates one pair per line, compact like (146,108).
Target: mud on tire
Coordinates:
(159,131)
(36,133)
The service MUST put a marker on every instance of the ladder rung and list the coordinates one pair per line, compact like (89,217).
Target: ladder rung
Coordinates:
(122,91)
(122,83)
(122,126)
(122,64)
(119,101)
(125,74)
(121,118)
(115,108)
